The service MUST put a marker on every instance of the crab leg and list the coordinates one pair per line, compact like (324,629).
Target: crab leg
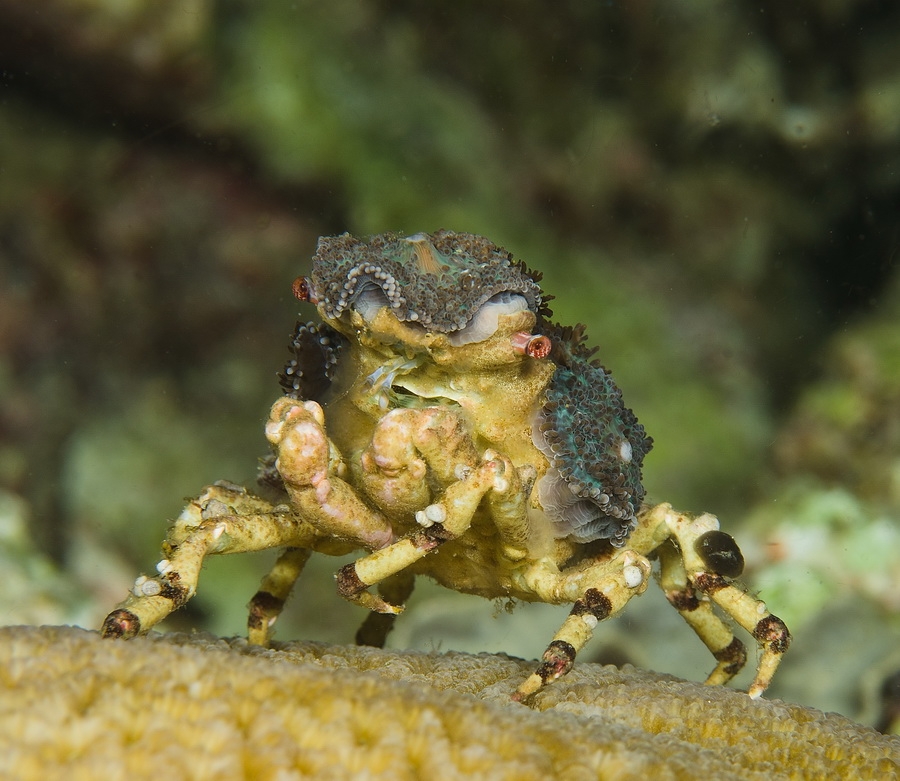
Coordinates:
(405,446)
(394,590)
(222,520)
(767,629)
(728,651)
(311,469)
(604,589)
(267,603)
(440,521)
(711,558)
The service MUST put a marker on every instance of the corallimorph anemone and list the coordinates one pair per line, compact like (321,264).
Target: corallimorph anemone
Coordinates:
(439,280)
(595,446)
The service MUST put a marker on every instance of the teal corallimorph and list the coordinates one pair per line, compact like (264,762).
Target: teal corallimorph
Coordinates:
(595,445)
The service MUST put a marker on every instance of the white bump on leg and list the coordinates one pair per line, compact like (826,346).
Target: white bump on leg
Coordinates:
(434,513)
(632,575)
(461,471)
(422,519)
(590,620)
(150,588)
(163,566)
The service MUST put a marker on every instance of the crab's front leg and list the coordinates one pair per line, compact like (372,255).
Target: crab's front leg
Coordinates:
(312,470)
(598,590)
(443,520)
(411,450)
(313,475)
(710,559)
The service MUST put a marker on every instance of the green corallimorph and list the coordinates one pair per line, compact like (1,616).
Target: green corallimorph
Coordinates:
(179,706)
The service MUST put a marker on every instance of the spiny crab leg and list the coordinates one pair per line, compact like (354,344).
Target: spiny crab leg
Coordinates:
(729,652)
(268,602)
(697,562)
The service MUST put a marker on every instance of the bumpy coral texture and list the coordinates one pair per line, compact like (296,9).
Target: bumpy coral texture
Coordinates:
(345,268)
(197,707)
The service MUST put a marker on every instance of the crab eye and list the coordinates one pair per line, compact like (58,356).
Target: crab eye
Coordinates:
(302,289)
(720,553)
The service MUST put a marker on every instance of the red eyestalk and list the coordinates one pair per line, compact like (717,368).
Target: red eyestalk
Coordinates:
(532,345)
(303,290)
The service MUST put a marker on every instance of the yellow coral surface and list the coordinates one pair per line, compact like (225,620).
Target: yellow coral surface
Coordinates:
(197,707)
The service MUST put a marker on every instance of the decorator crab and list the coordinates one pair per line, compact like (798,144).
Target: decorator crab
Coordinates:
(438,421)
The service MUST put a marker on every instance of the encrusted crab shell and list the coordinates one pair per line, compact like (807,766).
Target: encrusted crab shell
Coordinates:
(440,280)
(444,281)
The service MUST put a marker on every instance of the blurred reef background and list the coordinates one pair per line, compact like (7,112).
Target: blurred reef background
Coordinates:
(712,187)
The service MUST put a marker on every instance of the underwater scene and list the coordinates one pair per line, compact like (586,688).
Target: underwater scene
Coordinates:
(712,189)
